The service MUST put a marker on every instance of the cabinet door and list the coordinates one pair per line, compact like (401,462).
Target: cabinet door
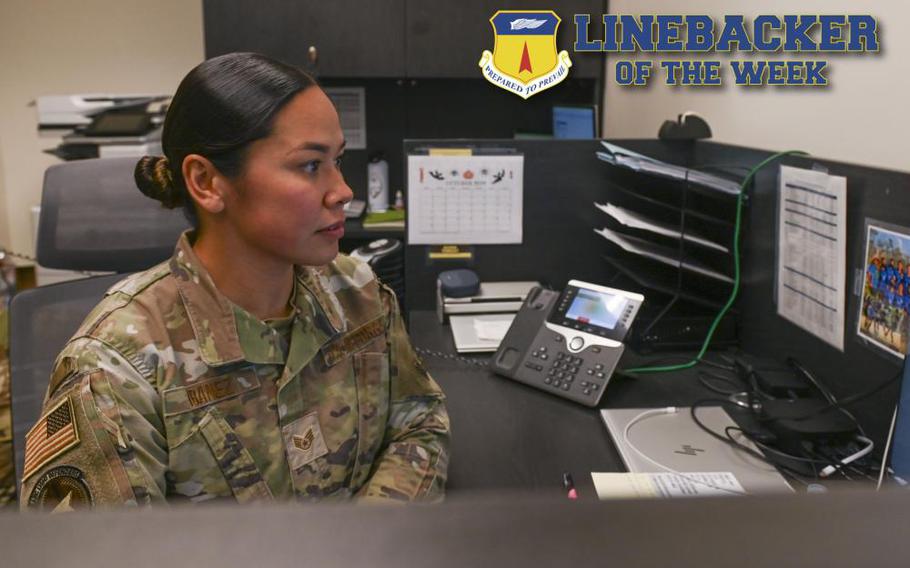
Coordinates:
(446,38)
(340,38)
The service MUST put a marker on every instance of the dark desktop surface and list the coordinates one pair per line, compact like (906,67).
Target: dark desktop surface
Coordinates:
(508,436)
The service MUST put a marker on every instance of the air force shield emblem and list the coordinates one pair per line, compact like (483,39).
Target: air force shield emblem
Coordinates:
(524,59)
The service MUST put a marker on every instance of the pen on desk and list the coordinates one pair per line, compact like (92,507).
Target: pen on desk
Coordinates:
(569,485)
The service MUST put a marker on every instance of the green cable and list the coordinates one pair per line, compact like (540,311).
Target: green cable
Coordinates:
(736,271)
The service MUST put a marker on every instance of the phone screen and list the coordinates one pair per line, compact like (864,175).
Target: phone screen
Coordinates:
(596,308)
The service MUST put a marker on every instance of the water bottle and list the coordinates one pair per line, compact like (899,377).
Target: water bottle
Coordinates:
(378,184)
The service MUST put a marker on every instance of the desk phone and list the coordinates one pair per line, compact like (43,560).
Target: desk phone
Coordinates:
(568,343)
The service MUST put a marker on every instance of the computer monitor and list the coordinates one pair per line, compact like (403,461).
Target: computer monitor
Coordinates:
(575,121)
(899,438)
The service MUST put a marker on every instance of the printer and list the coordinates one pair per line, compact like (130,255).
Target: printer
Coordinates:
(103,125)
(70,111)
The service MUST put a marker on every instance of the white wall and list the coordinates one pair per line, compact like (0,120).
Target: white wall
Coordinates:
(62,47)
(862,117)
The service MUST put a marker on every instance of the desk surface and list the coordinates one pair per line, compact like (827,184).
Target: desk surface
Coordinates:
(354,229)
(508,436)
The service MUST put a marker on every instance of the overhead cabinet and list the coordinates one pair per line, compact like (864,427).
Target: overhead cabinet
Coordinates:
(337,38)
(381,38)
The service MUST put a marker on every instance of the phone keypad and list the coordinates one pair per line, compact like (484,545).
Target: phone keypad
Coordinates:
(564,369)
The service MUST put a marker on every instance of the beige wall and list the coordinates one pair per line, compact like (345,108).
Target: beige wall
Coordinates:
(4,224)
(63,47)
(862,117)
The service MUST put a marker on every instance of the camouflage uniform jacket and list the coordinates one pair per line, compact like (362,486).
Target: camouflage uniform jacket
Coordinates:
(169,392)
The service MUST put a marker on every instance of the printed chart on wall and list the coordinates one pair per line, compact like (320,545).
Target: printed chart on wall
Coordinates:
(465,199)
(812,253)
(884,314)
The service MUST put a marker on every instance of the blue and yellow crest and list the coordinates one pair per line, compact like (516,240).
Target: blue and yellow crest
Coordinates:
(524,59)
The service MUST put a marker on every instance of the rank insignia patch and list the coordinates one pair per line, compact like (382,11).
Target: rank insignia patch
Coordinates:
(54,434)
(525,59)
(304,441)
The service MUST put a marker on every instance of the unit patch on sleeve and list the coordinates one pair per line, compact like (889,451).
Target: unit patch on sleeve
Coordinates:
(54,434)
(61,489)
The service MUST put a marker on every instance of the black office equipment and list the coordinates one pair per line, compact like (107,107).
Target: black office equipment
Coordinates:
(805,419)
(568,343)
(773,379)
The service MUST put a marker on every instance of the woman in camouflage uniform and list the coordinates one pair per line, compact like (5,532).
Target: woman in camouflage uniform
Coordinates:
(257,363)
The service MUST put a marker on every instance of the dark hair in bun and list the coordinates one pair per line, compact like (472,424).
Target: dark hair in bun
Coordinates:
(154,179)
(221,106)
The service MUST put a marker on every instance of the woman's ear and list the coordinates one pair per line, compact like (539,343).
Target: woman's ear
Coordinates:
(204,183)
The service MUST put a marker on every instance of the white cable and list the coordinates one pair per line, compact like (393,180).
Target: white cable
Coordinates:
(884,468)
(834,467)
(658,412)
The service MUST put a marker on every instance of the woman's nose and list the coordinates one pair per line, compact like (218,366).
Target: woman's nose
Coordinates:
(340,193)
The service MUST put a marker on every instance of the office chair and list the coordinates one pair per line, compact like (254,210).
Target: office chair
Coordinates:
(93,219)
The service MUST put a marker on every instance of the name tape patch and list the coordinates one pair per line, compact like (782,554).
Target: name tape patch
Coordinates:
(353,341)
(203,393)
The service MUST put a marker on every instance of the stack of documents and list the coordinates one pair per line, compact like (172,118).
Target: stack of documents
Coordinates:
(639,221)
(660,253)
(665,484)
(619,156)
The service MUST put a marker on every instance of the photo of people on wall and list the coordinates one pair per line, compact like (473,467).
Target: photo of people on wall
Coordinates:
(885,307)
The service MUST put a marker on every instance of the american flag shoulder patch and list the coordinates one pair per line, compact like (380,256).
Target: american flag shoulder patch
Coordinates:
(54,434)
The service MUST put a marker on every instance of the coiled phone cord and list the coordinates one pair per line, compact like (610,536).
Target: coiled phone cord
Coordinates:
(423,352)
